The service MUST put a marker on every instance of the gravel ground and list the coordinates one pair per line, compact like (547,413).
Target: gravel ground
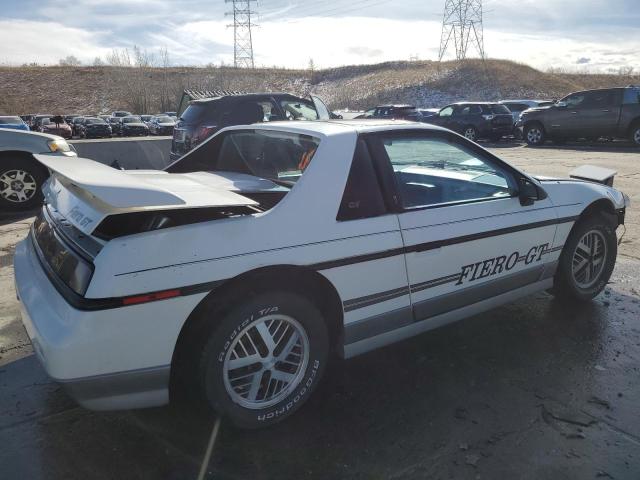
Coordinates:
(531,390)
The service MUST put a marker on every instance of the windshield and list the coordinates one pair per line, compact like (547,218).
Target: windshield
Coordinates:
(131,120)
(10,120)
(93,121)
(164,120)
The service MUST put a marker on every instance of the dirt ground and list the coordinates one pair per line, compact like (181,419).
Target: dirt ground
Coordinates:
(531,390)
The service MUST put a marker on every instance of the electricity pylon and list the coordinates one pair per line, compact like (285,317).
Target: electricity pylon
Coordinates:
(462,22)
(242,41)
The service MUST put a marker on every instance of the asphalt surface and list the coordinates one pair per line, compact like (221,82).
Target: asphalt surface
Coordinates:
(533,390)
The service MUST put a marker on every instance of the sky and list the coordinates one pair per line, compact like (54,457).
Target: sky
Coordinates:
(581,35)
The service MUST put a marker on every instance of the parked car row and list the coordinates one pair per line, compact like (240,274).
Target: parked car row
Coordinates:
(118,123)
(591,114)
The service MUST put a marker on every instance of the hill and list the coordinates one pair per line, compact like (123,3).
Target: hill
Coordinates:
(93,90)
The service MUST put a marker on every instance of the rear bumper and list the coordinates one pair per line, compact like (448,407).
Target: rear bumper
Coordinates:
(105,359)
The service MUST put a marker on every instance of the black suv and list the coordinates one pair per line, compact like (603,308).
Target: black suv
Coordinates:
(203,118)
(475,120)
(591,114)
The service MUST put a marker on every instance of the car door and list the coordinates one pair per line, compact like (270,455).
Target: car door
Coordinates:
(566,118)
(600,113)
(466,234)
(444,117)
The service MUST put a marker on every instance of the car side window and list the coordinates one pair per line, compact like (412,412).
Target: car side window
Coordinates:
(575,101)
(433,171)
(599,99)
(446,112)
(362,196)
(631,96)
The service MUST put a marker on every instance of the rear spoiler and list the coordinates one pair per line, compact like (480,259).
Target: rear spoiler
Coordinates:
(85,192)
(592,173)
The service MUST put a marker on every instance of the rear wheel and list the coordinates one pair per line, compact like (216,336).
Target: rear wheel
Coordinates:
(534,134)
(264,358)
(20,183)
(635,134)
(587,260)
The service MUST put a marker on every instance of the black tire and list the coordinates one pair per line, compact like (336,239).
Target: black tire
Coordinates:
(566,285)
(635,134)
(233,326)
(534,134)
(25,171)
(470,132)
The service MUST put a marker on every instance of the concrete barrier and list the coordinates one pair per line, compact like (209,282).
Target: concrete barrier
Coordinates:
(128,153)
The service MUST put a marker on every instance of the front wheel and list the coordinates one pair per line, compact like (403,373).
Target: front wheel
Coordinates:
(263,360)
(20,183)
(587,259)
(534,134)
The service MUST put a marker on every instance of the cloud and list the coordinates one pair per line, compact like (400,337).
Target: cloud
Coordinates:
(46,42)
(365,51)
(583,61)
(292,31)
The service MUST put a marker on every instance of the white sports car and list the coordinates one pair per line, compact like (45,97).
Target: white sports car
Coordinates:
(237,271)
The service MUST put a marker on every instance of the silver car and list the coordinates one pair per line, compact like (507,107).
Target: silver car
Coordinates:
(21,176)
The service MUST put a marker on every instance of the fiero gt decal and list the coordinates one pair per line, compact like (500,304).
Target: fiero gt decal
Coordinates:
(497,265)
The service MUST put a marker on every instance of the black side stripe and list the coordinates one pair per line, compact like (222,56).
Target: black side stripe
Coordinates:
(362,302)
(423,247)
(369,300)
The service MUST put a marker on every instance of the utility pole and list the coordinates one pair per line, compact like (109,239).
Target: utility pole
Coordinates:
(242,41)
(462,24)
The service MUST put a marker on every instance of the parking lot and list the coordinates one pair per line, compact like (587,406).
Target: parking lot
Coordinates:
(532,390)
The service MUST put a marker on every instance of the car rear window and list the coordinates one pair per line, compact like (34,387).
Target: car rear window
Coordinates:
(499,109)
(10,120)
(197,112)
(278,156)
(94,121)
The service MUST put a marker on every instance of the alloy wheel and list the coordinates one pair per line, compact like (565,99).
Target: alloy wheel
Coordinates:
(266,361)
(534,135)
(589,259)
(470,133)
(17,186)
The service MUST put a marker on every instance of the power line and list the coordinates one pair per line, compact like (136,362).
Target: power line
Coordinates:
(462,23)
(242,39)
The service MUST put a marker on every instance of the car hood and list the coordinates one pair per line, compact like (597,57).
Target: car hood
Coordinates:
(134,124)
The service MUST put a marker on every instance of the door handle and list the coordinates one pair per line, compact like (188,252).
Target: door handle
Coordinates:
(606,111)
(574,113)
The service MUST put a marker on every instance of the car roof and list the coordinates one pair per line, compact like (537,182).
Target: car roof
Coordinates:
(396,106)
(524,100)
(245,96)
(328,128)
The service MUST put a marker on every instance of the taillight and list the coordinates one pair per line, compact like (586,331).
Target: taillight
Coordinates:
(204,132)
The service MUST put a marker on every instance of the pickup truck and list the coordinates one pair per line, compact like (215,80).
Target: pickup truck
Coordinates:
(590,114)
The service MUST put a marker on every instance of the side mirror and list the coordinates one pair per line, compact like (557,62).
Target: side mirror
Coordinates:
(561,104)
(529,192)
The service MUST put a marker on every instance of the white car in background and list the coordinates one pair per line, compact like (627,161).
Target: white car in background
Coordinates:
(237,271)
(21,176)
